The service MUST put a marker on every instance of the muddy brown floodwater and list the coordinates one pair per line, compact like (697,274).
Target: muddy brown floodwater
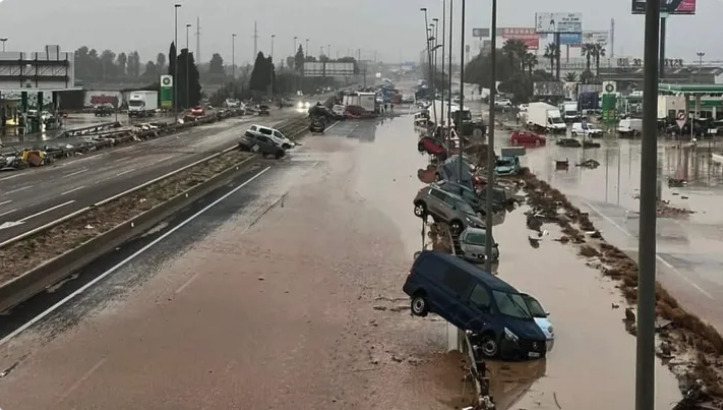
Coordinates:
(291,300)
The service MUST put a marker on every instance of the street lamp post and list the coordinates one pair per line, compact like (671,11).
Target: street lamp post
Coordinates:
(645,341)
(233,63)
(3,40)
(273,36)
(491,159)
(461,94)
(449,106)
(429,55)
(294,52)
(433,35)
(175,63)
(306,50)
(188,81)
(700,55)
(444,27)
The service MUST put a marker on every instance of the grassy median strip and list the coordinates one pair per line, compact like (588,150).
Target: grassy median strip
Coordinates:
(24,255)
(20,257)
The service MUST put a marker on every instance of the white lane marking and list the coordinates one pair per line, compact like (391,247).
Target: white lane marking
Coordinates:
(188,282)
(657,256)
(5,202)
(82,379)
(72,190)
(125,172)
(125,261)
(8,212)
(10,177)
(27,218)
(78,172)
(19,189)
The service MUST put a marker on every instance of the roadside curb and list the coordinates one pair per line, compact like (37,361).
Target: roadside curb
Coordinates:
(54,270)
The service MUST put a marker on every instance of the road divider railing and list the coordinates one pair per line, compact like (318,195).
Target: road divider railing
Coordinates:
(36,279)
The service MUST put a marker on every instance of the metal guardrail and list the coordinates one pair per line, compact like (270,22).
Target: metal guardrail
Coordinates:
(54,270)
(93,129)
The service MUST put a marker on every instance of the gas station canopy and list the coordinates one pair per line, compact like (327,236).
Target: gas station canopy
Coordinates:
(700,89)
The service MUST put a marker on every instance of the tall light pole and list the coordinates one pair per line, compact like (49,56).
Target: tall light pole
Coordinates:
(233,63)
(188,81)
(434,59)
(461,96)
(444,27)
(306,50)
(3,40)
(645,341)
(294,52)
(700,55)
(429,55)
(491,158)
(451,27)
(175,63)
(436,44)
(273,36)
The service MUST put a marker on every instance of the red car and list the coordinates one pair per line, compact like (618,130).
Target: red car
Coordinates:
(522,137)
(198,111)
(432,146)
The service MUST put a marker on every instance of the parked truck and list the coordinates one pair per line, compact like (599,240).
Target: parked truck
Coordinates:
(142,103)
(570,111)
(543,117)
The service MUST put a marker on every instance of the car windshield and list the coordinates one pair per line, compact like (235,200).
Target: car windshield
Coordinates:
(505,162)
(476,238)
(511,304)
(535,307)
(135,103)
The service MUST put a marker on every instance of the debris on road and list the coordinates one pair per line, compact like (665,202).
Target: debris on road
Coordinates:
(590,164)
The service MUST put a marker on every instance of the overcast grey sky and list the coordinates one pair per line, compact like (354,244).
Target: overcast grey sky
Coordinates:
(392,27)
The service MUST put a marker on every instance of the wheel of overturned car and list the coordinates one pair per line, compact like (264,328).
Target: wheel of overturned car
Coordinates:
(419,305)
(477,133)
(420,210)
(489,346)
(456,227)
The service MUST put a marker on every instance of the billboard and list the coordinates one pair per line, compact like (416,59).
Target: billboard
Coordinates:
(166,91)
(595,37)
(527,35)
(547,23)
(548,89)
(328,69)
(667,6)
(480,32)
(571,39)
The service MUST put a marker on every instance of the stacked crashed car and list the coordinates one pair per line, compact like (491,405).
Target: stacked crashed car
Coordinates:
(495,314)
(255,141)
(446,207)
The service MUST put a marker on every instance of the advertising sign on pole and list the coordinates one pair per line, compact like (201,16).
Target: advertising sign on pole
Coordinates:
(526,35)
(480,32)
(595,37)
(571,39)
(609,107)
(686,7)
(548,23)
(166,91)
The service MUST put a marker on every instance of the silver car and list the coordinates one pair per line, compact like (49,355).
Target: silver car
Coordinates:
(473,241)
(446,207)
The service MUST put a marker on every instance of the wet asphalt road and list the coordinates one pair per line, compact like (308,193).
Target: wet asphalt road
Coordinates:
(34,197)
(289,291)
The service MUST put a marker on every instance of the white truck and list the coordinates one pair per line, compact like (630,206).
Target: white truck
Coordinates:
(570,111)
(368,101)
(142,103)
(543,117)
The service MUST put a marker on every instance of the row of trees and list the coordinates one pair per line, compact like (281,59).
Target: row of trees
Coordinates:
(106,66)
(591,52)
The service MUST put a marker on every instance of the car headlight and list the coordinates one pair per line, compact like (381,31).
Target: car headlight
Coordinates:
(511,336)
(550,330)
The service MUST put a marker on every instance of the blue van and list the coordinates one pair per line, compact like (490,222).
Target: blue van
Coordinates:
(476,301)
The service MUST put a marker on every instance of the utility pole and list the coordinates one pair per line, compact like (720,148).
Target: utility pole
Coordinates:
(188,82)
(198,40)
(491,158)
(449,105)
(461,94)
(645,340)
(429,60)
(233,62)
(175,63)
(444,38)
(256,41)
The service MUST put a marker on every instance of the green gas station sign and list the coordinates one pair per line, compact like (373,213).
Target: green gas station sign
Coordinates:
(166,91)
(609,107)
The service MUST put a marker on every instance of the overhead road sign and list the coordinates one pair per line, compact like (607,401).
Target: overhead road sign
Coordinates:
(549,23)
(480,32)
(595,37)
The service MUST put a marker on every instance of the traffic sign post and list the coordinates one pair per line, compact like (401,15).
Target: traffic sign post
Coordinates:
(681,118)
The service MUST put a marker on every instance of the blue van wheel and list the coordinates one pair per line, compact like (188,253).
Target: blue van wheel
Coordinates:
(419,305)
(489,346)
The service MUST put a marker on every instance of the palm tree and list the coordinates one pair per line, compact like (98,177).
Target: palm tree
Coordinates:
(529,61)
(551,52)
(571,77)
(598,51)
(515,50)
(587,50)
